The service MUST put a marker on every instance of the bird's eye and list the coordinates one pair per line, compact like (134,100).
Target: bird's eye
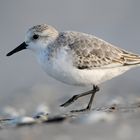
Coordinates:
(35,36)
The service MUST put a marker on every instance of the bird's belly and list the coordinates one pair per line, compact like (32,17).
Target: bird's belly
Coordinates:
(68,74)
(62,73)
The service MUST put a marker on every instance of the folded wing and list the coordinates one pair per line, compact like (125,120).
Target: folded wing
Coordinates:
(91,52)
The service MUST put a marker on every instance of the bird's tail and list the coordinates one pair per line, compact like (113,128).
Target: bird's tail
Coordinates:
(131,58)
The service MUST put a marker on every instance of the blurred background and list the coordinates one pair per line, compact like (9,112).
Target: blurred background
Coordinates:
(23,84)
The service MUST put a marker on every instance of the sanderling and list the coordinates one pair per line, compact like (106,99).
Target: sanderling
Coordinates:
(77,58)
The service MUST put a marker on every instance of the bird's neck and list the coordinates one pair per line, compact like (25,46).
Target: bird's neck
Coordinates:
(46,54)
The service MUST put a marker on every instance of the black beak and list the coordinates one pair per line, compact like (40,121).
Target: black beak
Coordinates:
(19,48)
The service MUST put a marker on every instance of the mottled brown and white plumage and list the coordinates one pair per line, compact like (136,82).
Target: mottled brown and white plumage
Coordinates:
(90,52)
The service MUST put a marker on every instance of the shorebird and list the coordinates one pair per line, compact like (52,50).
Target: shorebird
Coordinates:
(77,58)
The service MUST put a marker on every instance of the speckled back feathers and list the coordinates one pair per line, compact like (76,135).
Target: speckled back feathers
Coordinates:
(90,52)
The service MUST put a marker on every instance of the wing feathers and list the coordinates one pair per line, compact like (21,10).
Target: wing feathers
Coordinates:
(91,52)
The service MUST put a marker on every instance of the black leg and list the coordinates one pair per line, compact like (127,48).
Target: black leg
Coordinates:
(90,102)
(75,97)
(95,89)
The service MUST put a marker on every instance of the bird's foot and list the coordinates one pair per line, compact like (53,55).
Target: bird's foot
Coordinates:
(81,110)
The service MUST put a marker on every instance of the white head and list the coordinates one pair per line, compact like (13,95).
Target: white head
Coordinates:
(37,38)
